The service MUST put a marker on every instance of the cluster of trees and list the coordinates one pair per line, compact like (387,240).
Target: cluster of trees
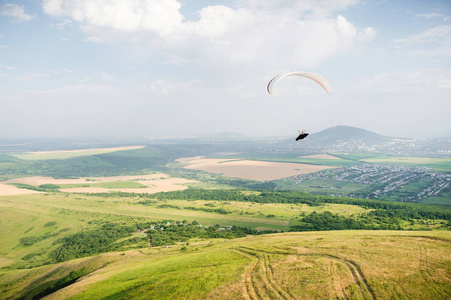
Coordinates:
(91,241)
(31,240)
(30,187)
(247,184)
(329,221)
(105,238)
(170,234)
(212,210)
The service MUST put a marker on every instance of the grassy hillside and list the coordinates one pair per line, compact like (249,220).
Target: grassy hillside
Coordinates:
(314,265)
(35,226)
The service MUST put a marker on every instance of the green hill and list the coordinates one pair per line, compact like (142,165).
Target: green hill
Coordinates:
(348,133)
(79,246)
(313,265)
(105,164)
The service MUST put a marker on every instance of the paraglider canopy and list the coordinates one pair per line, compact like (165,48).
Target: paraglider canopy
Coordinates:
(318,78)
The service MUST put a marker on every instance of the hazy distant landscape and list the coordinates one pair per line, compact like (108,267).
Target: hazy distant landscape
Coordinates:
(253,150)
(72,220)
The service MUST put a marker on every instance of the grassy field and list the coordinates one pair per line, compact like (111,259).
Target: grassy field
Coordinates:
(314,265)
(323,186)
(437,164)
(86,208)
(42,219)
(20,221)
(107,185)
(442,199)
(352,159)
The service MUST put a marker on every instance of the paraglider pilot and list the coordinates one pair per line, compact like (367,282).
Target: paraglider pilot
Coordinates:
(301,136)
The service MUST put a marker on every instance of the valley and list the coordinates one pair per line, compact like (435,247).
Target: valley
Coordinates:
(228,220)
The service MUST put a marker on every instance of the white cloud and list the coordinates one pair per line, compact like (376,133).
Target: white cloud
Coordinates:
(63,70)
(253,32)
(16,12)
(161,16)
(432,16)
(431,81)
(108,77)
(27,77)
(165,89)
(217,20)
(440,33)
(63,24)
(93,39)
(433,42)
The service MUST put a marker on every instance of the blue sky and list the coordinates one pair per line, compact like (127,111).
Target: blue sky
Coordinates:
(154,68)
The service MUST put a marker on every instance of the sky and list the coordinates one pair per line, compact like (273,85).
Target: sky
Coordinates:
(160,68)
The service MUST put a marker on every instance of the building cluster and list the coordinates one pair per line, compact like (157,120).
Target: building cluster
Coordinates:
(397,147)
(384,181)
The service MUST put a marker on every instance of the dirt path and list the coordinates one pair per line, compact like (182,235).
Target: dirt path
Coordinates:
(259,282)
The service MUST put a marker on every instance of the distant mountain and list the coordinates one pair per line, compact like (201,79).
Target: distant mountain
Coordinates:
(347,134)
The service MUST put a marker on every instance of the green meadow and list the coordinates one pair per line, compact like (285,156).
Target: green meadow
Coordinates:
(313,265)
(106,184)
(436,164)
(323,186)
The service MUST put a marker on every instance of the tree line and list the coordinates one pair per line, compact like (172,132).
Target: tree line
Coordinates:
(383,208)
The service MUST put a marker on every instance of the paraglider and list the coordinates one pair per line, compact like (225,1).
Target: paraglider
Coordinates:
(318,78)
(302,135)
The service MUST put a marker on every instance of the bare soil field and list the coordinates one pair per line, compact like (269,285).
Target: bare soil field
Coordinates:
(7,190)
(155,182)
(64,154)
(320,156)
(247,169)
(38,180)
(92,149)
